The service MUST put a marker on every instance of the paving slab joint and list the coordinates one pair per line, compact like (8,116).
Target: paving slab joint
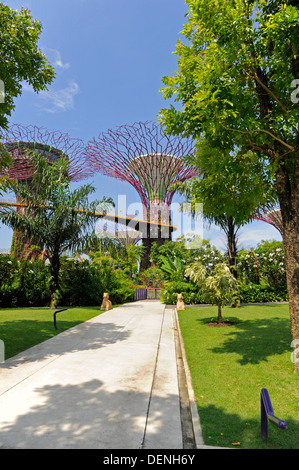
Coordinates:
(152,385)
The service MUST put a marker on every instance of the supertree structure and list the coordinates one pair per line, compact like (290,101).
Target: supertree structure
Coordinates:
(272,217)
(124,235)
(19,139)
(144,156)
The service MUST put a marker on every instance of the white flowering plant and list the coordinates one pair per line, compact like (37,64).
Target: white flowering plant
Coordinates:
(264,264)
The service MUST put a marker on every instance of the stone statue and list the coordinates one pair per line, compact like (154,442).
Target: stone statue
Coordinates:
(106,304)
(180,303)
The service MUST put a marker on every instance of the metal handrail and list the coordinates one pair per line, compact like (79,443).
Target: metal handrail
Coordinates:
(54,316)
(267,413)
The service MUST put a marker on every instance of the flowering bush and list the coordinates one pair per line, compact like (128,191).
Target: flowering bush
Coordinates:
(263,265)
(174,257)
(209,256)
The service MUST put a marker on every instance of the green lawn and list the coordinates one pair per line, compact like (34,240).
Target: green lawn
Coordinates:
(22,328)
(230,365)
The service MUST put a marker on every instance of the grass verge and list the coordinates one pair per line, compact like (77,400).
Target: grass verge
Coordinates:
(22,328)
(230,365)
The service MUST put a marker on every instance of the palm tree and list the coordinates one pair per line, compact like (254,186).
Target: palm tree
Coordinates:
(57,217)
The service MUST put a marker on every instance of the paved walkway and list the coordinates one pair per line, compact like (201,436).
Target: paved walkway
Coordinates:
(113,382)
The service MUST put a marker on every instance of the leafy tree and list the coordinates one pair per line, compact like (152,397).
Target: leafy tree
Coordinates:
(105,245)
(57,217)
(237,81)
(219,289)
(169,249)
(20,58)
(229,187)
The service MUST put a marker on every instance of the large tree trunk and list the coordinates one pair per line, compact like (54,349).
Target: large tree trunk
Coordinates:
(287,185)
(288,194)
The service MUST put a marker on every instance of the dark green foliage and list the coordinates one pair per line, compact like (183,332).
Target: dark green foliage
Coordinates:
(23,283)
(191,293)
(257,293)
(20,57)
(82,283)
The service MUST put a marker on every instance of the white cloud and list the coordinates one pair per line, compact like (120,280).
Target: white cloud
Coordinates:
(55,58)
(54,101)
(250,237)
(61,100)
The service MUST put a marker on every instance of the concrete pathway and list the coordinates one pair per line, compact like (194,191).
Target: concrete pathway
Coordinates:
(112,382)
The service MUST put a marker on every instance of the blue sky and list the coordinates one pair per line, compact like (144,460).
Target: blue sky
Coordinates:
(109,57)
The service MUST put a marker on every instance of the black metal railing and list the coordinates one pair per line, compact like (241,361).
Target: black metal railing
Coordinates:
(267,414)
(54,316)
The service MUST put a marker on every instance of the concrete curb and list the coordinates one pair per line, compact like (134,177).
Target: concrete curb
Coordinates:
(197,431)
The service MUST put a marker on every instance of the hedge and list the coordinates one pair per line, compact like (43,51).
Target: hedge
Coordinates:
(251,293)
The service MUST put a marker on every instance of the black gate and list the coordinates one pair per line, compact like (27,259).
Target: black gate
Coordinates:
(150,293)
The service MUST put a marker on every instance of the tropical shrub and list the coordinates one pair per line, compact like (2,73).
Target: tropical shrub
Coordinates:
(191,293)
(258,293)
(112,279)
(219,288)
(32,283)
(151,277)
(23,283)
(80,283)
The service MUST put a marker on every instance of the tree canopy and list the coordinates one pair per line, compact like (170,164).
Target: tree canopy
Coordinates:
(237,85)
(20,58)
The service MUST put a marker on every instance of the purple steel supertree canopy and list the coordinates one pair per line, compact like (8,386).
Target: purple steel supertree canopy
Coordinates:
(272,217)
(143,155)
(18,139)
